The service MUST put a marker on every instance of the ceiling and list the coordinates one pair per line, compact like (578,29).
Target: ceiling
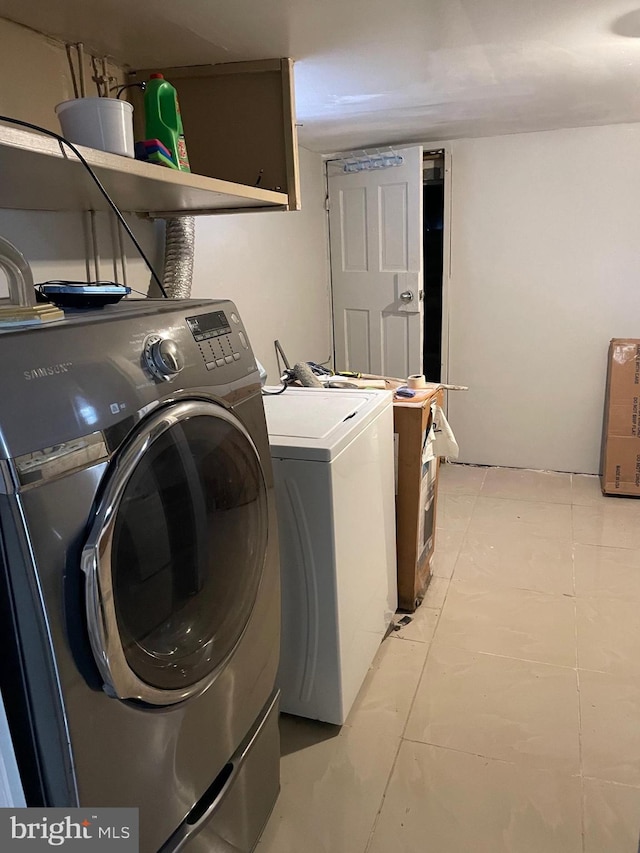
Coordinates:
(373,72)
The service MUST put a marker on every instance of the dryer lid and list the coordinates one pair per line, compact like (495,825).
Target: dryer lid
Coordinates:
(317,424)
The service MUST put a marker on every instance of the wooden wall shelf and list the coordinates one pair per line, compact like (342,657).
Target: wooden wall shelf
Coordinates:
(39,174)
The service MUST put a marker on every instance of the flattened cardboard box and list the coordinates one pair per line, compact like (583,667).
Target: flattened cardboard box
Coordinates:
(620,460)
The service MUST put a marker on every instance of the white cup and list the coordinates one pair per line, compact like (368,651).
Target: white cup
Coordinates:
(103,123)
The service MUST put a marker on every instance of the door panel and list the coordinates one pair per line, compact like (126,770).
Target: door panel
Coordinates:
(353,221)
(357,338)
(375,220)
(392,216)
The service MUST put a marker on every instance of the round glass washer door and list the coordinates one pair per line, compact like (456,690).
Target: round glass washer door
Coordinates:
(176,552)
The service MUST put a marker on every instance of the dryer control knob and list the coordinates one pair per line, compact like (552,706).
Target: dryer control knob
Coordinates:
(163,357)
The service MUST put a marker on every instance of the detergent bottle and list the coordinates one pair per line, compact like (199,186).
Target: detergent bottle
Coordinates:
(163,120)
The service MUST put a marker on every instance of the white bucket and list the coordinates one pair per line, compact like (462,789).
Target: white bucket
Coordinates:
(103,123)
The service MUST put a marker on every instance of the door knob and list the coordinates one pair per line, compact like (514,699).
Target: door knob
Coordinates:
(406,296)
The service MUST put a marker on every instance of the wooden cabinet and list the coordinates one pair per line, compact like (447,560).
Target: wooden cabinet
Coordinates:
(239,122)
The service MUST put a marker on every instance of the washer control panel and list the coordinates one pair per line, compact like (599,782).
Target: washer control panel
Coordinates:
(219,344)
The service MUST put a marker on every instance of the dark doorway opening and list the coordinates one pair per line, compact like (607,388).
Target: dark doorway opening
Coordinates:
(433,249)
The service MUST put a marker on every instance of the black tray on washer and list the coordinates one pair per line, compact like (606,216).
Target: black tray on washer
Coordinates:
(80,294)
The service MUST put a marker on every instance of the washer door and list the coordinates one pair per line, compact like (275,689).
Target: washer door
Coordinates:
(175,554)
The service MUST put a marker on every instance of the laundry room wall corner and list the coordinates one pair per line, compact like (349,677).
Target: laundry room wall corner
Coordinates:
(274,266)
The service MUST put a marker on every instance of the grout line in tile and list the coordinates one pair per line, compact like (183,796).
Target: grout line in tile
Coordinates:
(625,675)
(611,782)
(450,578)
(406,722)
(524,500)
(524,529)
(461,530)
(426,658)
(455,562)
(463,539)
(470,494)
(615,547)
(471,514)
(376,818)
(492,586)
(401,738)
(575,628)
(461,751)
(583,809)
(492,758)
(504,657)
(582,790)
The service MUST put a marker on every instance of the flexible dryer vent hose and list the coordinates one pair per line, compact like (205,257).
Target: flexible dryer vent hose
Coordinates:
(179,249)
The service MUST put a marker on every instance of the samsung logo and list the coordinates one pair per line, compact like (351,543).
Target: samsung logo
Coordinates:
(43,372)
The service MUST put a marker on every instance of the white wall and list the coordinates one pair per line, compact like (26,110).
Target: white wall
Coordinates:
(35,75)
(57,246)
(545,270)
(275,267)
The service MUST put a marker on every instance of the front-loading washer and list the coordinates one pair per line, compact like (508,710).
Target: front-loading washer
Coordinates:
(140,580)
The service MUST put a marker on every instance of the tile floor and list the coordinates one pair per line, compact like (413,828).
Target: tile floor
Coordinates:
(505,718)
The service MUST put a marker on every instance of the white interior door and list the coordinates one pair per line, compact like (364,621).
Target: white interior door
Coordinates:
(375,225)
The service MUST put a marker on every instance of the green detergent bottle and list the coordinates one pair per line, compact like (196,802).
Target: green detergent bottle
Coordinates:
(163,120)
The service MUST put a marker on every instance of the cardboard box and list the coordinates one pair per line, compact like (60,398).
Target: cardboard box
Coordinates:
(416,499)
(620,460)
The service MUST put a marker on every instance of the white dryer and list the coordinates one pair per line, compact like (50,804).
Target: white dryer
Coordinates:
(332,454)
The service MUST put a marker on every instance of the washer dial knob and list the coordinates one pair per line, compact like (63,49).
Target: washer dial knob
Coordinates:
(163,357)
